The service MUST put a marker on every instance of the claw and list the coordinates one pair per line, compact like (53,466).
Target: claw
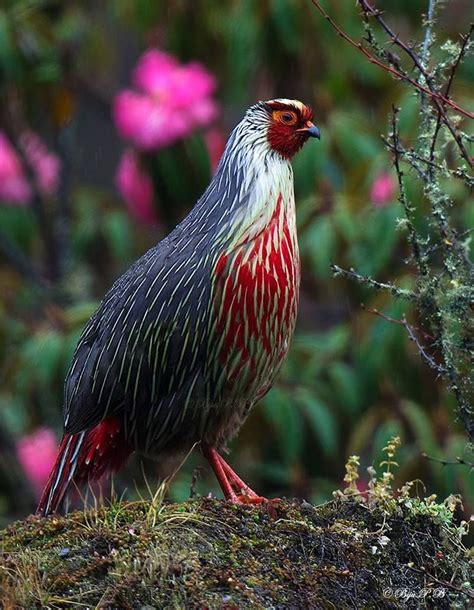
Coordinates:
(235,490)
(247,500)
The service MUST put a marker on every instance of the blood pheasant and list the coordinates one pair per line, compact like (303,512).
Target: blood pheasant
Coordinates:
(193,334)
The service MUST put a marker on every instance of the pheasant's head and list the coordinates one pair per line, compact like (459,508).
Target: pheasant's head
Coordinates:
(272,130)
(290,126)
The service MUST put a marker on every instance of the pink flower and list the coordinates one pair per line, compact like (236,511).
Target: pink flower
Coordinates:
(36,453)
(383,189)
(14,187)
(146,123)
(136,188)
(154,72)
(46,165)
(171,101)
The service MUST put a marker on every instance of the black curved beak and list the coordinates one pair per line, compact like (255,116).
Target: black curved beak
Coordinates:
(314,132)
(311,130)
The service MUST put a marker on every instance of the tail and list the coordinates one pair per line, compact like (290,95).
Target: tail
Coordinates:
(84,457)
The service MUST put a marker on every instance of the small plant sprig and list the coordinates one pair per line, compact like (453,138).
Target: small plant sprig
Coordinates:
(352,475)
(380,491)
(383,485)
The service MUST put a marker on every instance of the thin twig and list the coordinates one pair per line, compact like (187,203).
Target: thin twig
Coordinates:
(428,31)
(441,370)
(388,318)
(454,68)
(448,585)
(394,71)
(438,98)
(412,336)
(403,322)
(458,461)
(411,155)
(418,254)
(459,236)
(363,279)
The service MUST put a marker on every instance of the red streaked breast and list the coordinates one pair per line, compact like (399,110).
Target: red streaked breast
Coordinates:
(255,301)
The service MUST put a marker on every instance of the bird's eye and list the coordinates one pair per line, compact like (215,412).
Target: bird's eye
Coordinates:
(285,116)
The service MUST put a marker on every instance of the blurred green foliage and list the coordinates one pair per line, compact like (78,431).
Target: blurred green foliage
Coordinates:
(352,380)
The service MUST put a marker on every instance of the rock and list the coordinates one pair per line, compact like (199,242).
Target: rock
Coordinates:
(208,553)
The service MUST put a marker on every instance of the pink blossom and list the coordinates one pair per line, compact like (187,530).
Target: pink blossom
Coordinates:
(154,72)
(191,84)
(136,188)
(147,124)
(14,187)
(36,453)
(383,189)
(46,165)
(170,102)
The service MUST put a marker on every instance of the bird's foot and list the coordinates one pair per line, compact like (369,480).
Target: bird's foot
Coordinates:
(241,490)
(235,489)
(269,504)
(243,498)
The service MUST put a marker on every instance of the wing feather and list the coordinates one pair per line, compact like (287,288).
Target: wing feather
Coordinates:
(143,353)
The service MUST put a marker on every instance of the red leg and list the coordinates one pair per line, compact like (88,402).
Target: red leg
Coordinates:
(237,483)
(214,460)
(235,490)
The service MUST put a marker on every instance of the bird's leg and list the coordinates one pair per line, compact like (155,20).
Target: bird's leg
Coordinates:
(214,460)
(235,490)
(239,485)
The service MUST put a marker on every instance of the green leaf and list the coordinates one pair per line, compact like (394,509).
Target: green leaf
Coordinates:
(320,418)
(372,252)
(281,411)
(117,231)
(42,357)
(318,243)
(346,387)
(421,428)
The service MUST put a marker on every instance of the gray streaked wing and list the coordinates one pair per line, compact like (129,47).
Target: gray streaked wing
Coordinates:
(145,344)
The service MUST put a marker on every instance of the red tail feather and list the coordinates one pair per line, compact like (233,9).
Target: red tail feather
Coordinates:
(83,457)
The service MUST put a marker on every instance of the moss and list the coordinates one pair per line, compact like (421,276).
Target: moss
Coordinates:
(207,553)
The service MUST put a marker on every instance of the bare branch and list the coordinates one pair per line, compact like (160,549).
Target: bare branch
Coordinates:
(439,99)
(428,31)
(458,461)
(418,254)
(363,279)
(357,45)
(411,330)
(454,68)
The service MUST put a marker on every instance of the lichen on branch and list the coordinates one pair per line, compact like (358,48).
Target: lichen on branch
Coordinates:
(438,152)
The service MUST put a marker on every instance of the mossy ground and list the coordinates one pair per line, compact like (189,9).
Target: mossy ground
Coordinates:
(209,554)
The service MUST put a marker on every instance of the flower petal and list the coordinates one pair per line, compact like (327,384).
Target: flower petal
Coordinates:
(136,188)
(14,187)
(154,71)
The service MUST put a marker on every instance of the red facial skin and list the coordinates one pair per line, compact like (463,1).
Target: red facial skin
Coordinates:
(288,139)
